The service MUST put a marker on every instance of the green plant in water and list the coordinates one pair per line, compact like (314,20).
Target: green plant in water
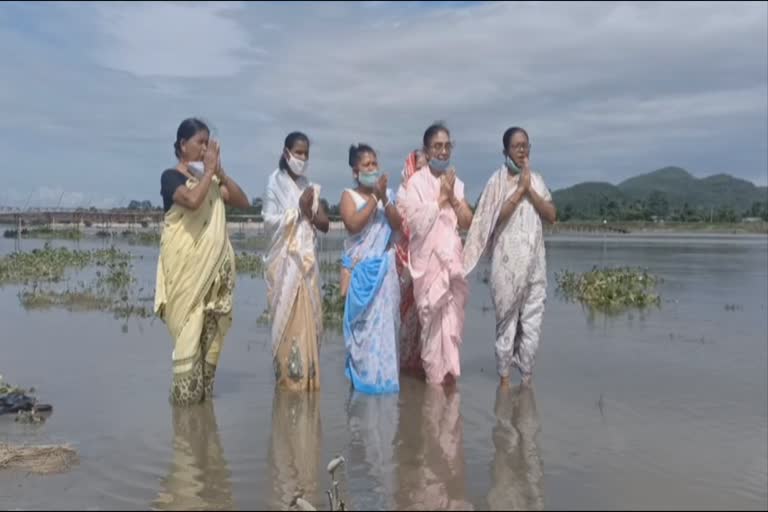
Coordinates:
(333,305)
(611,290)
(330,267)
(249,263)
(50,264)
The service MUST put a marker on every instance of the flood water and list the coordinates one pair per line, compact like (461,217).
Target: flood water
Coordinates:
(661,409)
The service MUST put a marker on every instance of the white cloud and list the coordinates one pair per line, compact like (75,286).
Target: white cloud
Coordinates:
(174,39)
(607,90)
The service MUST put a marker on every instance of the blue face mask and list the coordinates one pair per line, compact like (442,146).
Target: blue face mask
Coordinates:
(368,179)
(512,166)
(439,165)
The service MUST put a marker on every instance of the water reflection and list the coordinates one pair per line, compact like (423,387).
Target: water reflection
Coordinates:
(199,477)
(429,449)
(295,450)
(372,423)
(516,469)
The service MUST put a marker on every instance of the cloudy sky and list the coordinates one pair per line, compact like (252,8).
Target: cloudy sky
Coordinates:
(91,94)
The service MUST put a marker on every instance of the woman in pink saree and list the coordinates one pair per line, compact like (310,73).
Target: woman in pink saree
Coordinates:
(410,353)
(434,209)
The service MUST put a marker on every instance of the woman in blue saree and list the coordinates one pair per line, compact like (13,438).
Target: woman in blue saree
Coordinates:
(369,278)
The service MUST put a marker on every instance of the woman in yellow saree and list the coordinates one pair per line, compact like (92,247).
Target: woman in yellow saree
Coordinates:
(196,267)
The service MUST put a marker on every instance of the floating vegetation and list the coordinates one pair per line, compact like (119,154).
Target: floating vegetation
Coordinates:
(610,290)
(110,292)
(45,232)
(249,263)
(142,237)
(50,264)
(330,267)
(333,305)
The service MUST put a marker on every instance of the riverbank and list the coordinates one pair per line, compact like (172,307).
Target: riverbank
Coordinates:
(249,229)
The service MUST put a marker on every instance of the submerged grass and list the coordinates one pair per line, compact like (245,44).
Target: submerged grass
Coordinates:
(610,290)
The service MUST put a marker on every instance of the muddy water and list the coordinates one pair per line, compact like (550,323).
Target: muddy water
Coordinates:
(662,409)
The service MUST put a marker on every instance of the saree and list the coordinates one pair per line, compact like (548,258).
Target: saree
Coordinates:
(371,309)
(193,293)
(440,289)
(410,332)
(293,291)
(518,269)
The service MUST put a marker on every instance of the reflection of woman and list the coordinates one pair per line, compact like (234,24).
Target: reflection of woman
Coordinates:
(516,468)
(294,452)
(198,477)
(429,448)
(372,423)
(196,267)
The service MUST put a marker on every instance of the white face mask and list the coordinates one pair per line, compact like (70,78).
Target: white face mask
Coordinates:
(297,165)
(198,166)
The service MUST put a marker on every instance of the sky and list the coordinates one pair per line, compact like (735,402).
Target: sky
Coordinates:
(91,93)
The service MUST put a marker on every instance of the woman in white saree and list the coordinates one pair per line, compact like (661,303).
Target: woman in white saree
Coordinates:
(292,213)
(507,221)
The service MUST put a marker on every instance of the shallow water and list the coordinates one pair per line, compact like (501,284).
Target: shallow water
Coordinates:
(661,409)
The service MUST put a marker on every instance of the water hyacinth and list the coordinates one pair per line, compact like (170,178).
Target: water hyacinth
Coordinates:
(50,264)
(249,263)
(610,290)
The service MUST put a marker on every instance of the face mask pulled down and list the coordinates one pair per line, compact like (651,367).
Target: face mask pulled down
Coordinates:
(368,179)
(439,165)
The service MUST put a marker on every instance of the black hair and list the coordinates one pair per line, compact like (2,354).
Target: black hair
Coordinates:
(511,133)
(291,141)
(356,151)
(434,129)
(188,129)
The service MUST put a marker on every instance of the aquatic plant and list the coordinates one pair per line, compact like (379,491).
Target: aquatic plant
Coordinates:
(45,232)
(249,263)
(330,267)
(333,305)
(50,264)
(611,289)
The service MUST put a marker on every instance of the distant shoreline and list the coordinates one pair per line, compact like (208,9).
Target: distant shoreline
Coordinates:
(578,229)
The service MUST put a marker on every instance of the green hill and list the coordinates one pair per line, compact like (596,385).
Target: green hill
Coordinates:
(670,192)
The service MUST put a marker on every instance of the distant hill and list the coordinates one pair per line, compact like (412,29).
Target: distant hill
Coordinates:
(662,192)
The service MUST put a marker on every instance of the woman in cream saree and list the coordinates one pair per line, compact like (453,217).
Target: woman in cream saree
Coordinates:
(196,267)
(291,214)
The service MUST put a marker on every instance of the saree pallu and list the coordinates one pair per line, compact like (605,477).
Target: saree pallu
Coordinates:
(193,294)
